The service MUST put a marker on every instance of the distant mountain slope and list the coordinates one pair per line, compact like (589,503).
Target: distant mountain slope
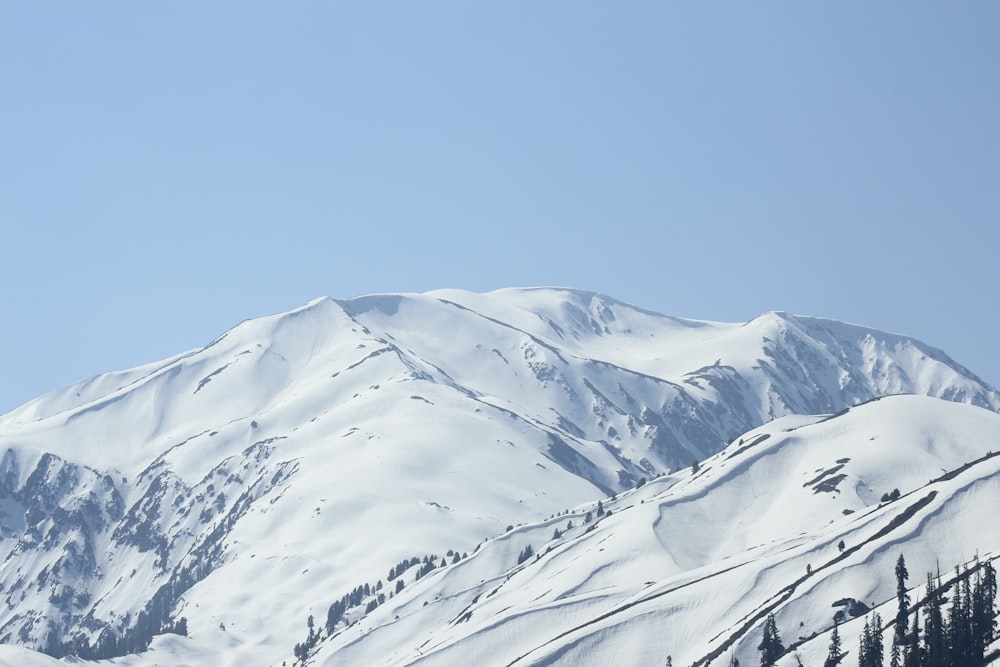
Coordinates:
(312,450)
(689,564)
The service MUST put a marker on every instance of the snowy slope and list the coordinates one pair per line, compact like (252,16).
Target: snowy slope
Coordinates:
(688,565)
(309,451)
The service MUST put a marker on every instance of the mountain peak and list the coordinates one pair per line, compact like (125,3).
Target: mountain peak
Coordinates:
(425,422)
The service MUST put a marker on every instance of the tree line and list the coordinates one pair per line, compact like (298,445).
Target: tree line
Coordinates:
(952,626)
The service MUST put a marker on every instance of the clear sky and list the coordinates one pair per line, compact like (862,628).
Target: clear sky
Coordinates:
(169,169)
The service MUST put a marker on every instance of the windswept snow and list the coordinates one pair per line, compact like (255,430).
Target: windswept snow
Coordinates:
(689,564)
(310,451)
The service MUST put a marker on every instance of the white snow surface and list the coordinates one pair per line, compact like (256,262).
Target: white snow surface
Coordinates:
(300,455)
(689,564)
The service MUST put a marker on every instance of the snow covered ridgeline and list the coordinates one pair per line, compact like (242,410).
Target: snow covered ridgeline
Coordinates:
(661,573)
(319,447)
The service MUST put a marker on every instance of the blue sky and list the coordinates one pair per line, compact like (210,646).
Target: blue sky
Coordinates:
(169,169)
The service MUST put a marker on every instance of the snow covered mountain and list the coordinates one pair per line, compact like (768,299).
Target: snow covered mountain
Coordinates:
(249,484)
(792,519)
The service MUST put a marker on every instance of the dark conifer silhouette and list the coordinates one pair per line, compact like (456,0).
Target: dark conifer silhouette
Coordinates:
(770,646)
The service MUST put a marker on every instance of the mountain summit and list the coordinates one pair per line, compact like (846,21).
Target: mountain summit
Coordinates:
(312,450)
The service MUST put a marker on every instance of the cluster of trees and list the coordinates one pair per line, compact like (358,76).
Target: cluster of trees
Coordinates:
(890,496)
(154,619)
(134,639)
(600,506)
(402,566)
(353,599)
(301,650)
(587,518)
(429,565)
(954,637)
(526,553)
(371,596)
(399,568)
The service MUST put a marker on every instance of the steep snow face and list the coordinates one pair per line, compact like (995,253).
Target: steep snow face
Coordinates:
(314,449)
(689,565)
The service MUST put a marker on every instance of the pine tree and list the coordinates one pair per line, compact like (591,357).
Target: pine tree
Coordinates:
(914,655)
(956,626)
(876,649)
(865,645)
(933,625)
(977,615)
(895,659)
(989,601)
(982,619)
(902,601)
(770,646)
(525,554)
(835,655)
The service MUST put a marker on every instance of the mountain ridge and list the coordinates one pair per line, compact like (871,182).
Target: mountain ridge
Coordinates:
(422,422)
(549,587)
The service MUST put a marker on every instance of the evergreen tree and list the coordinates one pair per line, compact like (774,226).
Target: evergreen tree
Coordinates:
(770,646)
(967,632)
(876,649)
(835,655)
(989,595)
(976,614)
(895,659)
(902,601)
(956,626)
(871,649)
(865,645)
(913,656)
(982,616)
(933,625)
(600,508)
